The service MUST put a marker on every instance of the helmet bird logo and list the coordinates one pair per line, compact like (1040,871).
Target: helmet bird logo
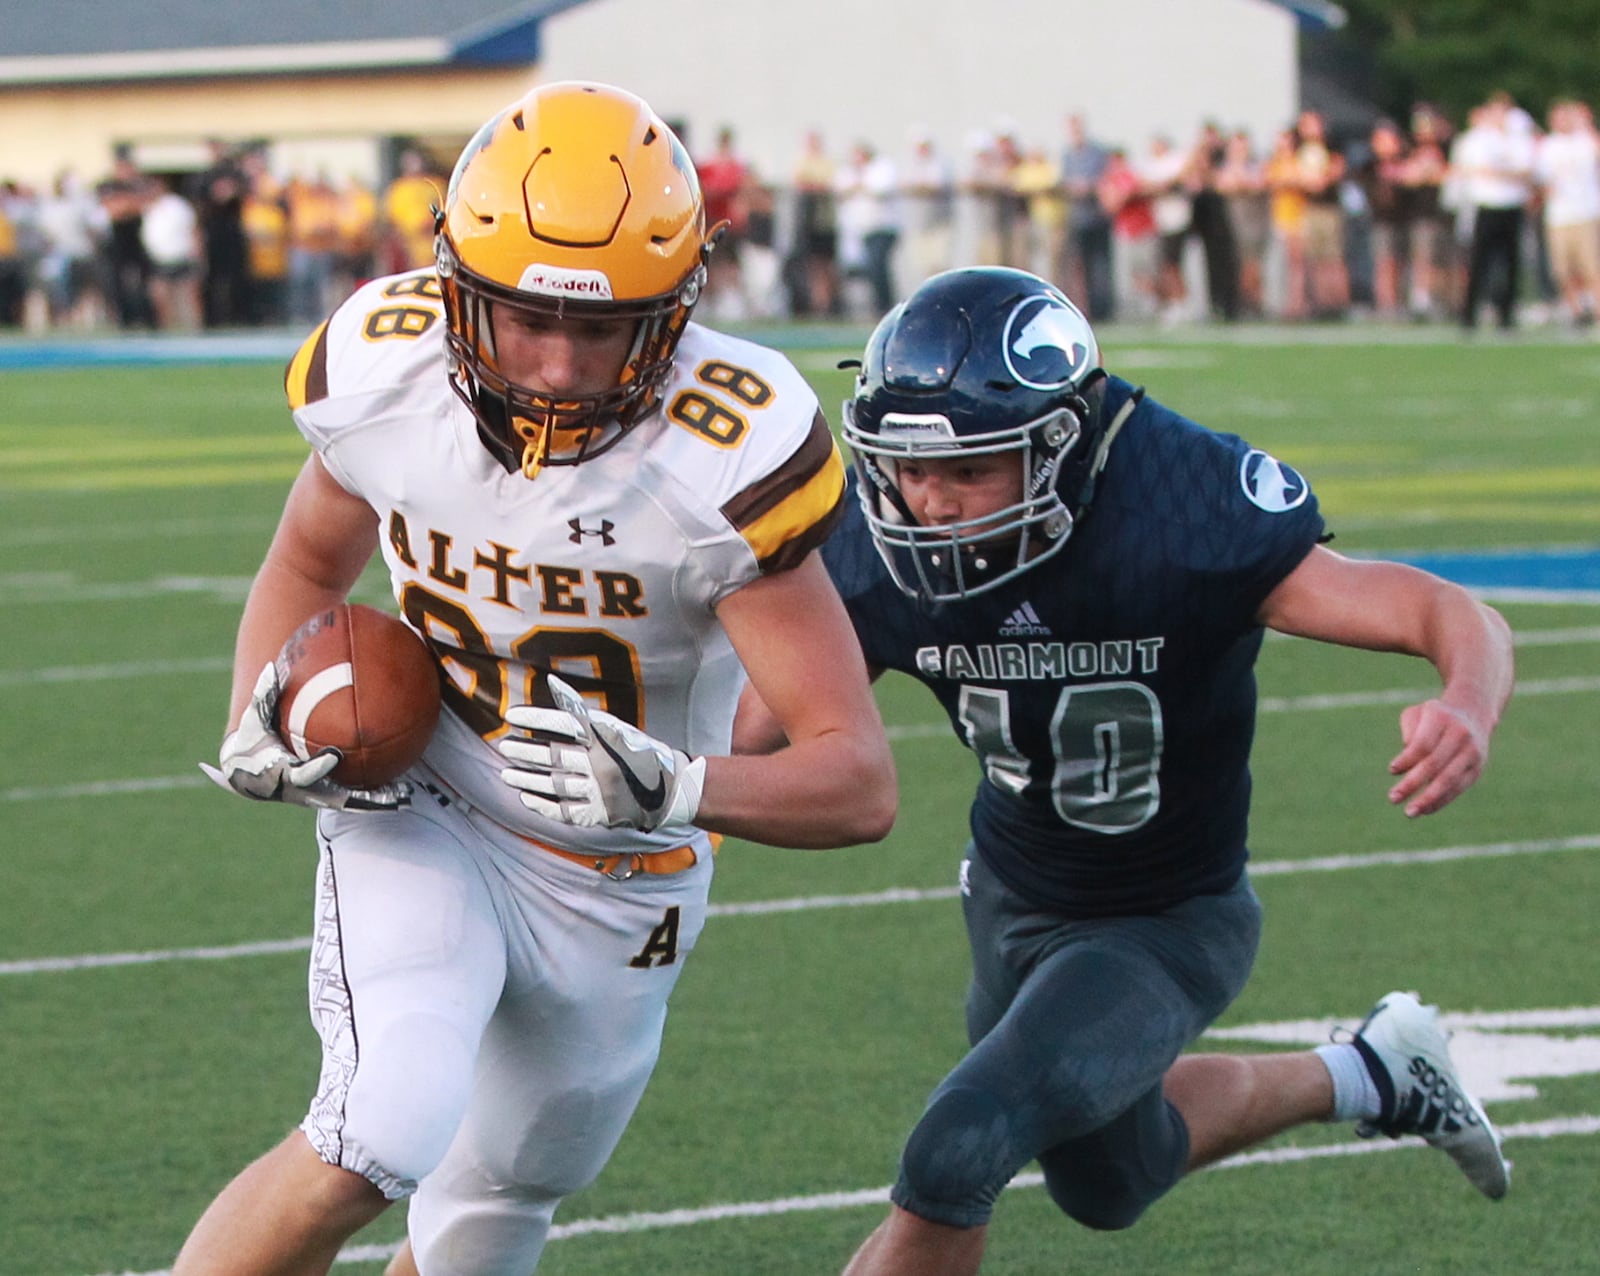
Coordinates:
(1048,344)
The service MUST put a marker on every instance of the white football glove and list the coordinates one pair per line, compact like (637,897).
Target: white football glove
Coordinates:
(585,767)
(257,763)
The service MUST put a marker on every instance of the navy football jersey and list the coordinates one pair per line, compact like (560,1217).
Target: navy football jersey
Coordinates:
(1109,693)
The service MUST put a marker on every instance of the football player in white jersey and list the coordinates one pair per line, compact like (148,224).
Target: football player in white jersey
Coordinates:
(602,519)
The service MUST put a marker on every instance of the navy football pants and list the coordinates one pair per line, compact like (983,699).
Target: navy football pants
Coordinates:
(1074,1024)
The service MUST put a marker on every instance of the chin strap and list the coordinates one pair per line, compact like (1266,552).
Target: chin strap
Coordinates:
(1102,451)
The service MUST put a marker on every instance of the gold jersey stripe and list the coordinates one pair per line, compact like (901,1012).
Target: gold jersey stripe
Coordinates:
(785,532)
(792,540)
(744,508)
(306,378)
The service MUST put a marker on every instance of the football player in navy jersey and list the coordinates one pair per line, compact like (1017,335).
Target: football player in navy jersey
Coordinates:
(1083,577)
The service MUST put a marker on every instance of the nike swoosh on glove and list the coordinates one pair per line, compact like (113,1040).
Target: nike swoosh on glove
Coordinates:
(582,766)
(256,763)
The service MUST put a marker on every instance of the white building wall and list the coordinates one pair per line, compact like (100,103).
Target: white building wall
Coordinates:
(877,69)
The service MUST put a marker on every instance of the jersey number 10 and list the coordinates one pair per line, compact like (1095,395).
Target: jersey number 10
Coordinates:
(1106,738)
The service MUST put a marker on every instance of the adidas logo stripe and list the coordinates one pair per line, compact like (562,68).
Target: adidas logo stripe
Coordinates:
(1025,620)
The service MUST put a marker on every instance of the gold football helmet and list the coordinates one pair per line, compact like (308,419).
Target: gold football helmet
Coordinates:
(575,201)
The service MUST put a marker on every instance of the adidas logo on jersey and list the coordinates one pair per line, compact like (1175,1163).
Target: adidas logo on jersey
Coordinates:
(1024,621)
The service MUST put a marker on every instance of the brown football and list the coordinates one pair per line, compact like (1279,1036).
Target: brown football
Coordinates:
(360,680)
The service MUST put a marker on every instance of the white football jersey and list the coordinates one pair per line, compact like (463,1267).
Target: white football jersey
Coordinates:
(607,573)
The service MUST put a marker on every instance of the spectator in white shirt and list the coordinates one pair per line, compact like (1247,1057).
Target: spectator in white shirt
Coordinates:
(1568,172)
(869,221)
(71,223)
(1165,171)
(1494,163)
(171,234)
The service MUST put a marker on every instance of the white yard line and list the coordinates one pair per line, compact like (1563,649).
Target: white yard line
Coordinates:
(1500,595)
(911,731)
(1411,695)
(661,1220)
(812,903)
(114,673)
(103,788)
(1555,637)
(57,589)
(178,667)
(121,533)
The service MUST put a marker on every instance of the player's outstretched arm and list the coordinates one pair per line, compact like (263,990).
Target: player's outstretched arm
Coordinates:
(1384,606)
(821,773)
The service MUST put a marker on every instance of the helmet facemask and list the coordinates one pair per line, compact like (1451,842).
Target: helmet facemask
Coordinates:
(978,362)
(527,429)
(945,561)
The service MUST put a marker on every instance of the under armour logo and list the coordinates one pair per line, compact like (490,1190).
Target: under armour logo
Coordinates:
(579,531)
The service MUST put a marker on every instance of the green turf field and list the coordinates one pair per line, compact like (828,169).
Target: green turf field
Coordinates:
(136,503)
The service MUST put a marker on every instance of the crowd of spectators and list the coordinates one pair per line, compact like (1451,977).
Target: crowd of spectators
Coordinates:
(227,246)
(1416,219)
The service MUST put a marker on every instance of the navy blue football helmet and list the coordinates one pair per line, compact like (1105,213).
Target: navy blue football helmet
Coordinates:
(979,360)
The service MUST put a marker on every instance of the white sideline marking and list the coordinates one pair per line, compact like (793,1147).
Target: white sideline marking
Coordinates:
(103,788)
(120,532)
(1412,695)
(1440,855)
(1555,637)
(93,961)
(1511,594)
(1343,700)
(53,588)
(616,1224)
(221,664)
(913,731)
(808,903)
(118,673)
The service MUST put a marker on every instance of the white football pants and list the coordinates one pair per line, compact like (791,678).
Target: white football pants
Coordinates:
(489,1015)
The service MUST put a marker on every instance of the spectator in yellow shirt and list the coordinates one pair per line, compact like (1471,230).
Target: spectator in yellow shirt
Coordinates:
(358,217)
(408,204)
(266,232)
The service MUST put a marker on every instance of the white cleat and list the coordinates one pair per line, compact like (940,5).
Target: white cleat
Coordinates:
(1408,1055)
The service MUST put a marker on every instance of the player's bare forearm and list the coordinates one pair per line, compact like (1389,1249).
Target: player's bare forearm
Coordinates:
(1393,607)
(278,602)
(1446,740)
(1383,606)
(837,789)
(813,767)
(323,541)
(756,730)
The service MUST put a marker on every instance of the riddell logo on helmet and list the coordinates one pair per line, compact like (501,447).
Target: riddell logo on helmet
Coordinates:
(932,426)
(558,281)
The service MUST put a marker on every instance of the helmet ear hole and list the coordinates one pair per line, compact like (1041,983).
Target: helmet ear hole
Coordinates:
(1055,432)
